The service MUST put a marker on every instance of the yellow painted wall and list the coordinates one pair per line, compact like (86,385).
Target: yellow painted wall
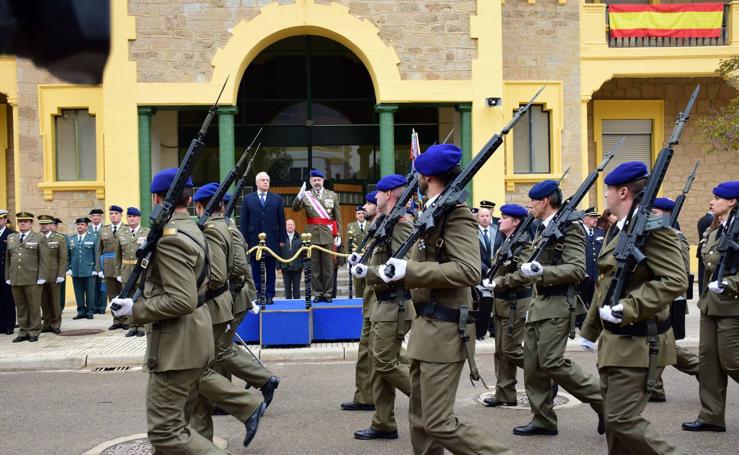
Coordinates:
(8,77)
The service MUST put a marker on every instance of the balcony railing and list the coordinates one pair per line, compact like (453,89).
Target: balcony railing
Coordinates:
(721,40)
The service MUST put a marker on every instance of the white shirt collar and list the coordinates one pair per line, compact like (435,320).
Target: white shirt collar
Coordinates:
(431,201)
(135,231)
(48,234)
(482,228)
(117,226)
(548,219)
(620,224)
(2,230)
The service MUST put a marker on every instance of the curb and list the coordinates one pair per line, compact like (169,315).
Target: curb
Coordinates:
(47,362)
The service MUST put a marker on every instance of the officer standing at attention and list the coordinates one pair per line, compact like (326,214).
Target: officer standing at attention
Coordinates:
(719,327)
(179,342)
(130,240)
(559,269)
(445,264)
(26,269)
(51,312)
(390,319)
(355,233)
(511,303)
(54,226)
(623,349)
(107,245)
(7,306)
(323,219)
(594,237)
(81,267)
(95,225)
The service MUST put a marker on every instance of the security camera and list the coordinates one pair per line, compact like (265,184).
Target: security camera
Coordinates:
(494,101)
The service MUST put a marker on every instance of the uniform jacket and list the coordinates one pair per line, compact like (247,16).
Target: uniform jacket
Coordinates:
(650,290)
(125,252)
(107,244)
(502,306)
(221,255)
(28,262)
(269,219)
(320,234)
(181,337)
(3,247)
(710,303)
(57,256)
(81,255)
(240,268)
(354,236)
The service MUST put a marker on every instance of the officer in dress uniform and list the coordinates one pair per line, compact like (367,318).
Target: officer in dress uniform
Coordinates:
(593,243)
(96,224)
(129,241)
(323,221)
(719,325)
(81,267)
(26,270)
(105,265)
(50,309)
(7,305)
(623,348)
(54,226)
(355,233)
(445,264)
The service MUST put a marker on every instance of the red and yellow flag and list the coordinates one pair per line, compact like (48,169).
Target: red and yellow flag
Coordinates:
(691,20)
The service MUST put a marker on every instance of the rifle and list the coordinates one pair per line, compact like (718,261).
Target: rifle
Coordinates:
(162,213)
(680,201)
(728,246)
(242,181)
(505,252)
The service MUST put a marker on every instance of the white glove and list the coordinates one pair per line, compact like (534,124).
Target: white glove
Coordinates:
(399,264)
(716,287)
(59,279)
(119,279)
(255,308)
(586,345)
(40,281)
(532,269)
(359,271)
(489,285)
(7,282)
(301,194)
(100,274)
(337,241)
(606,313)
(126,307)
(69,272)
(354,259)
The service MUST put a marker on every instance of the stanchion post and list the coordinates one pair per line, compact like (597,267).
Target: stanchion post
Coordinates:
(307,270)
(262,271)
(351,250)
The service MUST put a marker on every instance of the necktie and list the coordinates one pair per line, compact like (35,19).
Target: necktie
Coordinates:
(540,228)
(133,231)
(79,239)
(361,228)
(487,238)
(261,196)
(115,229)
(23,236)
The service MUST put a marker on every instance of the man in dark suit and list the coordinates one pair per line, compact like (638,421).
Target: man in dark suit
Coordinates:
(263,211)
(7,305)
(490,238)
(292,272)
(703,223)
(593,243)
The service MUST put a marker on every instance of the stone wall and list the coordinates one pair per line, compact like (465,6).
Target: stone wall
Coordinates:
(177,39)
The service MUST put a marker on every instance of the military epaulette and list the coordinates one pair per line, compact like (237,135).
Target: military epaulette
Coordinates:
(169,229)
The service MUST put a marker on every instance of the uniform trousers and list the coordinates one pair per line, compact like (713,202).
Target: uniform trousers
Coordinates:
(364,366)
(388,373)
(687,362)
(232,360)
(50,310)
(84,294)
(719,361)
(322,272)
(28,309)
(508,355)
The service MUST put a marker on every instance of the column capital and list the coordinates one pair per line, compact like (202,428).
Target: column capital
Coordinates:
(391,108)
(228,110)
(146,110)
(463,107)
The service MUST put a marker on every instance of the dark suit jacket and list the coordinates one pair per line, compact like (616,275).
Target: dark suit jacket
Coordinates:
(486,254)
(3,246)
(269,219)
(593,244)
(289,251)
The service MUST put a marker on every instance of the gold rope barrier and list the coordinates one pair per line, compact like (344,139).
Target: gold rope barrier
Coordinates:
(260,249)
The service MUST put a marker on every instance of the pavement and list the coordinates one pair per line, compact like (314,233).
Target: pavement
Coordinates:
(85,344)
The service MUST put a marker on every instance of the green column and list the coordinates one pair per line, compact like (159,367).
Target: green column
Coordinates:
(226,139)
(145,114)
(387,137)
(465,134)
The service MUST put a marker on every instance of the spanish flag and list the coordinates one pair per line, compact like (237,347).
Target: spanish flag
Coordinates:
(691,20)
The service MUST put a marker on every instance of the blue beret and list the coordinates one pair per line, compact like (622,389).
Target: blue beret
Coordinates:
(664,203)
(543,189)
(227,198)
(133,211)
(438,159)
(514,210)
(317,173)
(727,190)
(205,192)
(371,197)
(626,172)
(163,180)
(115,208)
(390,182)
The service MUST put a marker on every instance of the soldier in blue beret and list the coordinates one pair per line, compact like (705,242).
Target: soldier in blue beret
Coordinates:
(727,190)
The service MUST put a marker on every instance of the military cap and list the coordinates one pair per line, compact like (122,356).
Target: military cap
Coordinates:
(163,180)
(205,192)
(727,190)
(115,208)
(514,210)
(3,214)
(57,221)
(82,219)
(45,219)
(371,197)
(664,203)
(438,159)
(96,212)
(626,172)
(474,210)
(390,182)
(360,208)
(543,189)
(317,173)
(487,205)
(227,198)
(133,211)
(591,211)
(24,216)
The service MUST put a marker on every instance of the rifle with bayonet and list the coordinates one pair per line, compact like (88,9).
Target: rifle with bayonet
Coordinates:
(680,201)
(242,181)
(162,213)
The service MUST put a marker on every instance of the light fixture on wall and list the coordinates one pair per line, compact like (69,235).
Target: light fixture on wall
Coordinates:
(493,101)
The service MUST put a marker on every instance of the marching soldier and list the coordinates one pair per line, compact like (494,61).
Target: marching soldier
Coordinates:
(81,267)
(130,239)
(355,233)
(7,306)
(623,350)
(390,319)
(26,269)
(509,311)
(63,285)
(50,309)
(445,264)
(105,265)
(323,219)
(96,224)
(719,327)
(179,343)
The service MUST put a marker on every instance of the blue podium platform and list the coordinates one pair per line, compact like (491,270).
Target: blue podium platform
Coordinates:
(288,323)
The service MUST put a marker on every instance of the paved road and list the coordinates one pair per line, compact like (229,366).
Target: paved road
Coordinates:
(70,412)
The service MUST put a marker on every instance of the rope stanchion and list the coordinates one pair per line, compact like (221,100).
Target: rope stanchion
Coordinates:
(307,269)
(262,271)
(351,250)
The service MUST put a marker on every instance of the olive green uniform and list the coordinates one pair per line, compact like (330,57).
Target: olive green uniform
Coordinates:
(51,311)
(440,275)
(322,264)
(125,259)
(509,311)
(354,237)
(390,321)
(105,261)
(179,339)
(719,338)
(623,360)
(25,264)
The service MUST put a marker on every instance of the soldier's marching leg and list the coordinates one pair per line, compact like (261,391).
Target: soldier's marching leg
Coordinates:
(364,366)
(538,385)
(718,356)
(687,361)
(422,442)
(230,360)
(389,374)
(508,355)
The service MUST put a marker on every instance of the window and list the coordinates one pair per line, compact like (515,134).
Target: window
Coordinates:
(531,142)
(637,136)
(75,148)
